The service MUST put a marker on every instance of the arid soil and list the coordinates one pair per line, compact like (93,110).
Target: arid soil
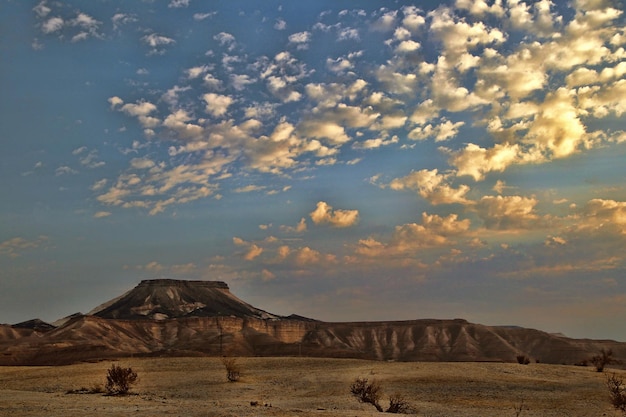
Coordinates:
(306,387)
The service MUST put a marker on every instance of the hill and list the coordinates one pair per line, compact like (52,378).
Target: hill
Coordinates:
(191,318)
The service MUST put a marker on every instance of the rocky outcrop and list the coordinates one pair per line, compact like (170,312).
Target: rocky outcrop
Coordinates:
(166,298)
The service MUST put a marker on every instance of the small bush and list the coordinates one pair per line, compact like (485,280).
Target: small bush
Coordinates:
(604,358)
(616,393)
(398,404)
(233,371)
(119,380)
(367,392)
(523,359)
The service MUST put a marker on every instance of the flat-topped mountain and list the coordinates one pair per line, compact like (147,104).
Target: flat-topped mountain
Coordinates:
(167,298)
(190,318)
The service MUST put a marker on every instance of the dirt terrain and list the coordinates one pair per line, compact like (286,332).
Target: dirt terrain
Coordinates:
(306,387)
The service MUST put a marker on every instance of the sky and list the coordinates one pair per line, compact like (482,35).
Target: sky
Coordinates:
(341,160)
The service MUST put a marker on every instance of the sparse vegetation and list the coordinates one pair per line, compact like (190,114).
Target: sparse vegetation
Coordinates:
(605,357)
(398,404)
(233,370)
(617,394)
(367,392)
(370,392)
(94,389)
(523,359)
(119,380)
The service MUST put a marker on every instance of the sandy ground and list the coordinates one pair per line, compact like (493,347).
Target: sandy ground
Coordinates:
(306,387)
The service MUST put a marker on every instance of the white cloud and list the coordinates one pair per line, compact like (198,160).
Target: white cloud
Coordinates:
(481,7)
(176,4)
(324,214)
(240,81)
(280,24)
(432,186)
(225,39)
(441,131)
(195,72)
(203,16)
(216,104)
(386,22)
(54,24)
(300,38)
(407,46)
(42,10)
(477,162)
(157,42)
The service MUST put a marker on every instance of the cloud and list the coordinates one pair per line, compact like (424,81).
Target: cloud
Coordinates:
(120,19)
(477,162)
(225,39)
(54,24)
(601,214)
(301,227)
(203,16)
(324,214)
(301,39)
(407,239)
(157,42)
(14,247)
(280,24)
(441,131)
(64,169)
(432,186)
(101,214)
(386,22)
(509,212)
(176,4)
(41,9)
(216,104)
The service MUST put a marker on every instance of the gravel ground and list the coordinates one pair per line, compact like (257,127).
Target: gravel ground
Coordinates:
(306,387)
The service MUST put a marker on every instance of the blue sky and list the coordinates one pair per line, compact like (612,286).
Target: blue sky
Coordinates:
(339,160)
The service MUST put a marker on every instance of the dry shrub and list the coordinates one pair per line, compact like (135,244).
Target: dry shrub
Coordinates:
(604,358)
(367,392)
(119,380)
(616,392)
(523,359)
(233,370)
(398,404)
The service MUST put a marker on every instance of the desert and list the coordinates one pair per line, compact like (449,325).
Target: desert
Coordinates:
(293,386)
(178,337)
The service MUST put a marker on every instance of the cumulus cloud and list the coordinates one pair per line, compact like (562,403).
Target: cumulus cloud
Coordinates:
(432,186)
(54,24)
(325,214)
(434,231)
(601,214)
(477,162)
(301,39)
(217,104)
(509,212)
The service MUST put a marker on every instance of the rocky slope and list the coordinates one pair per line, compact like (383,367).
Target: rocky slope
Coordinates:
(186,318)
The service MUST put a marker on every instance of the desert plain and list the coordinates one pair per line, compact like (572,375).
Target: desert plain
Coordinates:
(305,387)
